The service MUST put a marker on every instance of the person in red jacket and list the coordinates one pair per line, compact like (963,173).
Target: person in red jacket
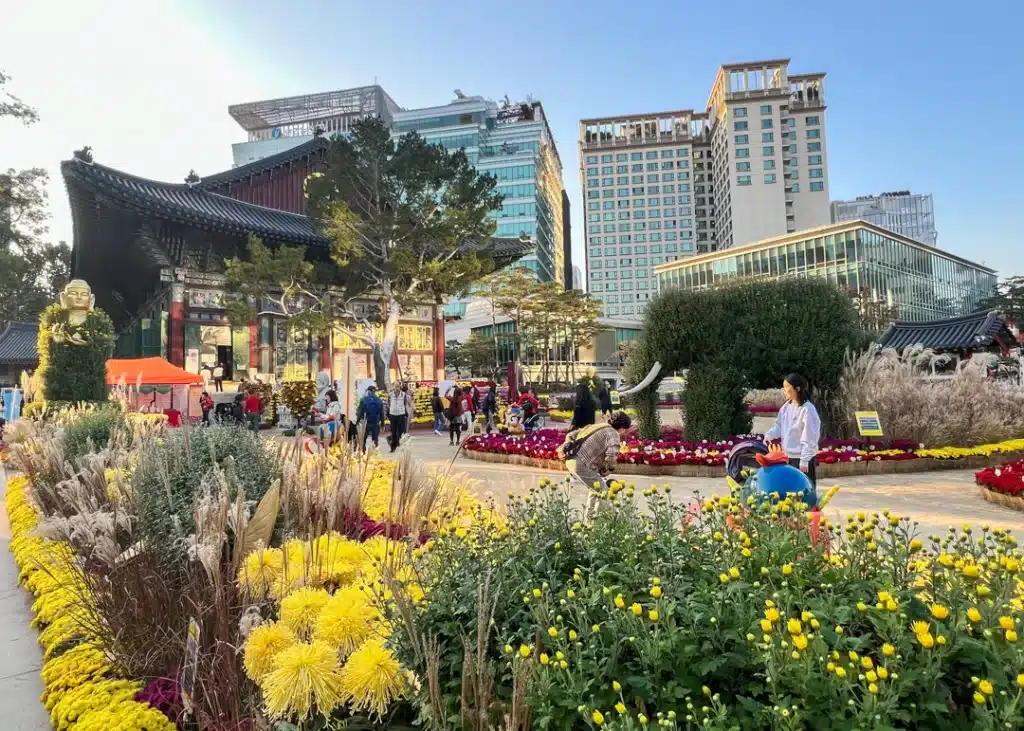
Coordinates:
(253,411)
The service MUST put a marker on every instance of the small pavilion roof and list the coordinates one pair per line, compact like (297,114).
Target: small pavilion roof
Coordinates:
(977,330)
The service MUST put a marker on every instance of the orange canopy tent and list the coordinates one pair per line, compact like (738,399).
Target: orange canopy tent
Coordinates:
(149,372)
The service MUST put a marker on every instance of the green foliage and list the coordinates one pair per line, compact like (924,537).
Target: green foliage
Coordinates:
(750,629)
(638,364)
(92,430)
(713,406)
(32,270)
(760,328)
(1008,299)
(174,471)
(75,372)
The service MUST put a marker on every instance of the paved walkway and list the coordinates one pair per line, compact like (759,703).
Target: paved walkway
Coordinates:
(20,655)
(936,500)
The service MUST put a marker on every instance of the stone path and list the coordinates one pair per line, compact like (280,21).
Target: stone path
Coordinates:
(935,499)
(20,655)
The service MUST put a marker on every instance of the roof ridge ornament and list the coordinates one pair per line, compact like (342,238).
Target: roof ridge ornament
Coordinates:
(85,154)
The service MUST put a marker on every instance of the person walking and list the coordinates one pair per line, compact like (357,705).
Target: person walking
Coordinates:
(253,411)
(398,414)
(455,412)
(437,407)
(604,397)
(584,411)
(798,427)
(591,453)
(334,417)
(490,406)
(218,377)
(206,404)
(371,410)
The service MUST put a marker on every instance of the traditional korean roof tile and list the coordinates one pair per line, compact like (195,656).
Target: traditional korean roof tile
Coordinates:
(18,344)
(977,330)
(191,204)
(315,147)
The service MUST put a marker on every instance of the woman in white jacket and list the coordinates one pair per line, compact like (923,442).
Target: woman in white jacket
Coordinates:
(798,426)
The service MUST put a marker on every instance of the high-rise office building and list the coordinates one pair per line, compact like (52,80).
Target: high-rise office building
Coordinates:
(512,142)
(665,185)
(276,125)
(909,214)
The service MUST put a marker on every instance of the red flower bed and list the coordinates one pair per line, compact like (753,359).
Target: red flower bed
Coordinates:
(672,450)
(1007,478)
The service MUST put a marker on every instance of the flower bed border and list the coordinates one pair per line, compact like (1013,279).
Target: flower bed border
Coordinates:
(1013,502)
(836,469)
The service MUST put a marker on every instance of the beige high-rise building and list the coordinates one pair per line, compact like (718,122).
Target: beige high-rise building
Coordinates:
(666,185)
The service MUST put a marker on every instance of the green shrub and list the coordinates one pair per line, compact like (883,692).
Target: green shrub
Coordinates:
(756,629)
(288,433)
(92,430)
(713,405)
(760,329)
(173,471)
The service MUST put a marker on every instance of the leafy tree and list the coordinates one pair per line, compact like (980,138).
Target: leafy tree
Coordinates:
(407,221)
(455,358)
(32,270)
(1008,299)
(478,350)
(747,333)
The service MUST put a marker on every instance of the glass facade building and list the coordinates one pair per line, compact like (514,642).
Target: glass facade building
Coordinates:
(919,281)
(513,143)
(906,213)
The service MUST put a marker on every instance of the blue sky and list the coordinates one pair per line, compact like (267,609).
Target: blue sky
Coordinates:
(924,97)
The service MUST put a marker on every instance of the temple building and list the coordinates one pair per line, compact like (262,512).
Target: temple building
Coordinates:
(154,255)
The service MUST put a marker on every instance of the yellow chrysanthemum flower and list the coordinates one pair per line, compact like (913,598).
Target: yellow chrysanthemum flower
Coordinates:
(346,620)
(1006,622)
(263,646)
(300,609)
(793,626)
(306,674)
(800,642)
(986,687)
(938,611)
(888,650)
(920,628)
(973,614)
(371,678)
(261,570)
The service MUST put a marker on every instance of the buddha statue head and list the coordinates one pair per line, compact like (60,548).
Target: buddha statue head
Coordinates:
(77,298)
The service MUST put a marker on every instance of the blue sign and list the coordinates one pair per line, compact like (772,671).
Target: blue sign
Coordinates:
(12,404)
(275,133)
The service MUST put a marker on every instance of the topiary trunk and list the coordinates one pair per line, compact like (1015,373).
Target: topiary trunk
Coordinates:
(713,406)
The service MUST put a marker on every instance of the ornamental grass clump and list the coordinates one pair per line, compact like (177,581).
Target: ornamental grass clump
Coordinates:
(715,613)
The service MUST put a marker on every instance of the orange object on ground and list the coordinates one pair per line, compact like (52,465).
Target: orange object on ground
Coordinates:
(153,372)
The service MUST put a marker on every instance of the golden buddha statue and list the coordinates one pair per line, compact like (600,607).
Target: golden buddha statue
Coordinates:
(78,301)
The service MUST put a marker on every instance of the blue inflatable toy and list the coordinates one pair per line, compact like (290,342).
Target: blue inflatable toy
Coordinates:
(761,472)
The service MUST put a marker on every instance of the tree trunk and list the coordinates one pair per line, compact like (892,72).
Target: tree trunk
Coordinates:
(387,346)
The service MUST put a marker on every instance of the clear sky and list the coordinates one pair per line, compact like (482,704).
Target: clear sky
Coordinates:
(921,96)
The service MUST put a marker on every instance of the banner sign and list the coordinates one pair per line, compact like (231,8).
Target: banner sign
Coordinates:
(868,424)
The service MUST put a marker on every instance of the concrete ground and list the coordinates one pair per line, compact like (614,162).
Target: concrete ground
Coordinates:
(20,655)
(936,500)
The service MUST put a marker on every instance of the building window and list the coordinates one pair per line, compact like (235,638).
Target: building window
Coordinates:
(742,180)
(815,173)
(814,160)
(636,156)
(739,125)
(606,158)
(811,121)
(621,157)
(766,109)
(793,174)
(767,137)
(742,167)
(813,134)
(652,155)
(817,187)
(769,178)
(743,152)
(740,140)
(814,147)
(769,164)
(739,112)
(591,159)
(767,123)
(768,150)
(794,188)
(682,153)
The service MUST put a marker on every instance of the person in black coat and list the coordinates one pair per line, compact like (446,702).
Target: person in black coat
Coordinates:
(584,412)
(604,397)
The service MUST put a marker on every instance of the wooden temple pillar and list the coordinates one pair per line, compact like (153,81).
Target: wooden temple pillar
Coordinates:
(254,348)
(176,325)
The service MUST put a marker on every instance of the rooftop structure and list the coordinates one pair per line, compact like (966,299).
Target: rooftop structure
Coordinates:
(976,331)
(906,213)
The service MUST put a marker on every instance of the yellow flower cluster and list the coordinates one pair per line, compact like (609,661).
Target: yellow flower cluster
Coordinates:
(81,690)
(982,450)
